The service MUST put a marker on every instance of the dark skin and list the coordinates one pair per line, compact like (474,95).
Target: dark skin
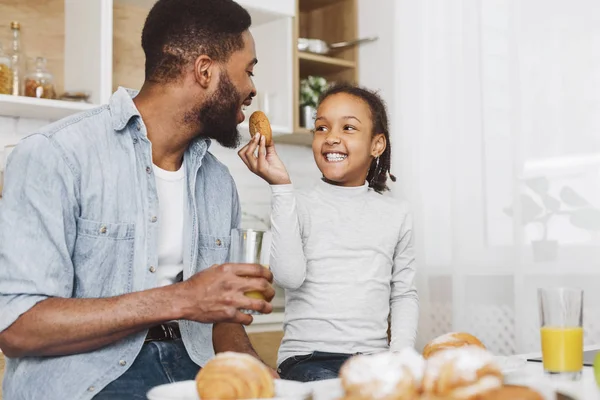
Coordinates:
(63,326)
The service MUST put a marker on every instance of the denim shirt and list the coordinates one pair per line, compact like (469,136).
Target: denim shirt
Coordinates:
(78,220)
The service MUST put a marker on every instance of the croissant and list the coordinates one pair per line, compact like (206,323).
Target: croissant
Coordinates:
(383,376)
(461,373)
(450,340)
(231,376)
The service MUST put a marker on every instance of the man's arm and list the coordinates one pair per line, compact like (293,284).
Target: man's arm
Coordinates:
(233,337)
(58,326)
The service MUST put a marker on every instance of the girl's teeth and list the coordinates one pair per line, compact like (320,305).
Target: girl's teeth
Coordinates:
(336,157)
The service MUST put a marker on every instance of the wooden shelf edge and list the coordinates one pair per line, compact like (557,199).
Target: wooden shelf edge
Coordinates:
(318,58)
(310,5)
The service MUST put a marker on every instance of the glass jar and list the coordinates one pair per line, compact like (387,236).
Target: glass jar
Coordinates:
(39,82)
(6,74)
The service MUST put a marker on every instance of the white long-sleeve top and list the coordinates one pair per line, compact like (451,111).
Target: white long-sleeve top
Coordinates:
(344,255)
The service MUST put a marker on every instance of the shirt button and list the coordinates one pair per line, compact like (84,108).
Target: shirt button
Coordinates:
(135,140)
(218,242)
(103,229)
(138,126)
(154,219)
(122,363)
(148,169)
(152,269)
(91,389)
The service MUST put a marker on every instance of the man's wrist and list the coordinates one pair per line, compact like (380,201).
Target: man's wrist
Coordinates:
(177,307)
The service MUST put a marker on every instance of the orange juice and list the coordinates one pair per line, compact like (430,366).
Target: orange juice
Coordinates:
(562,349)
(256,294)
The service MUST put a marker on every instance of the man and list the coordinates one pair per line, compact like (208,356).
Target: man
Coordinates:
(115,223)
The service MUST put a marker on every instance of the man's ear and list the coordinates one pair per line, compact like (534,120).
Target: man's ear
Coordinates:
(203,70)
(378,145)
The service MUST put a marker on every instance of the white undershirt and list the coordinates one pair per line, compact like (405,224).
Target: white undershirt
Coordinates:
(345,256)
(170,187)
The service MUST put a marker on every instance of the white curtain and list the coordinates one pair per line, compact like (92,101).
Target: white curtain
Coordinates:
(496,140)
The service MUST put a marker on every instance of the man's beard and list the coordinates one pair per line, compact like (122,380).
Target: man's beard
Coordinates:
(218,115)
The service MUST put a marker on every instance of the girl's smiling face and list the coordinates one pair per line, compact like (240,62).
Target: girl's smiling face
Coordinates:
(344,144)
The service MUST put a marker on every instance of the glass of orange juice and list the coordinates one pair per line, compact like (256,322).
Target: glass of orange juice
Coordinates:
(561,315)
(250,246)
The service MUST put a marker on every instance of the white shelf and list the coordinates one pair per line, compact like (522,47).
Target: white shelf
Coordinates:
(30,107)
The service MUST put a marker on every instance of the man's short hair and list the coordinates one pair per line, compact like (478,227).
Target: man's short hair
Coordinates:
(176,32)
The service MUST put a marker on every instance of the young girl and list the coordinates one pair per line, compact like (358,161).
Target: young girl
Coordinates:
(342,250)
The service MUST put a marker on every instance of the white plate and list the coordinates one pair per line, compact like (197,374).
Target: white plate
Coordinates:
(330,389)
(186,390)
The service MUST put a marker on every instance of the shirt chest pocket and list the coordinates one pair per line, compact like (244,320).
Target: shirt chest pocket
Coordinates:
(212,250)
(103,258)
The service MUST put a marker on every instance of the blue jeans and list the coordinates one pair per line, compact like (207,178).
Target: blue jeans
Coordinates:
(315,366)
(158,363)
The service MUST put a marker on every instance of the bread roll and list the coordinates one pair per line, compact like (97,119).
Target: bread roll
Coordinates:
(383,376)
(450,340)
(260,123)
(461,373)
(231,376)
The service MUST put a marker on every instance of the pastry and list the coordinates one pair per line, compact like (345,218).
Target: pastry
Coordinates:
(450,340)
(383,376)
(260,123)
(231,376)
(461,373)
(512,392)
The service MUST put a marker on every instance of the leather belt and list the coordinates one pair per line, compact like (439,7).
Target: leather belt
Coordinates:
(166,331)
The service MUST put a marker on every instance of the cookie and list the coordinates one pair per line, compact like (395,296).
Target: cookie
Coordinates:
(260,123)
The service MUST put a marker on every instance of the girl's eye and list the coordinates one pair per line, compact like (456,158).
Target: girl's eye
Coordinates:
(320,128)
(250,73)
(349,128)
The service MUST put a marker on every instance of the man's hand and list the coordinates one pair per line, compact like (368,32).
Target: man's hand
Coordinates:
(267,163)
(217,293)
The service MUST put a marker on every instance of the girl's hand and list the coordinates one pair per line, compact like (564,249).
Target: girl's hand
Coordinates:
(267,163)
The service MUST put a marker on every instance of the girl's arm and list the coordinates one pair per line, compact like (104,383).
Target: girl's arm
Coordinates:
(404,300)
(288,262)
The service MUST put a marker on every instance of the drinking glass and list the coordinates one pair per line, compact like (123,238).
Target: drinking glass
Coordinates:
(561,316)
(252,247)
